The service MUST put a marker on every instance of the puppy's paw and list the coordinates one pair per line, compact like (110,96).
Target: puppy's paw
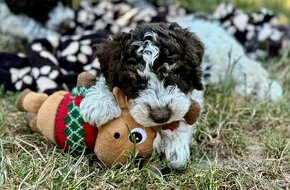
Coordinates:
(175,145)
(157,143)
(99,105)
(178,155)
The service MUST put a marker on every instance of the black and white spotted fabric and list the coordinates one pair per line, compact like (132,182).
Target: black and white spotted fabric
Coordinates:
(260,32)
(53,63)
(50,64)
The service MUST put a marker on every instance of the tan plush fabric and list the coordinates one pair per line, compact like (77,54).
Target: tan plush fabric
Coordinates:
(32,120)
(30,101)
(47,113)
(86,79)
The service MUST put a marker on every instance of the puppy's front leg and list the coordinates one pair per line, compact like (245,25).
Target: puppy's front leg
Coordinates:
(175,145)
(99,105)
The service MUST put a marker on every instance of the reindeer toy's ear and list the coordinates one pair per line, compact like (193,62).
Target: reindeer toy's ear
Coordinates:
(120,98)
(86,79)
(193,113)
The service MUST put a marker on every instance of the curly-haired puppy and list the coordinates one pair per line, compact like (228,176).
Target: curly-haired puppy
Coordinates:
(158,67)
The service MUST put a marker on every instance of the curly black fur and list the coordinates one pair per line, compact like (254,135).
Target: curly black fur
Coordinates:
(37,9)
(119,61)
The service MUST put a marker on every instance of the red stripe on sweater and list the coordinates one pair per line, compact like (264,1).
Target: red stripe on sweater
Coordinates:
(90,136)
(60,124)
(78,100)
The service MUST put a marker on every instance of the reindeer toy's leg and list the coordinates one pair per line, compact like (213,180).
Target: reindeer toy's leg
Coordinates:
(26,98)
(41,111)
(24,103)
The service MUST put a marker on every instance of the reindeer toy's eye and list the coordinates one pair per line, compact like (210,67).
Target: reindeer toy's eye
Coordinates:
(137,135)
(117,135)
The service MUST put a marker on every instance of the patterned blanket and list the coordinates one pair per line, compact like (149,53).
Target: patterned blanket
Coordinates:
(53,63)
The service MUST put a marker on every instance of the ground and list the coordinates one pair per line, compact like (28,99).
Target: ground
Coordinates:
(239,144)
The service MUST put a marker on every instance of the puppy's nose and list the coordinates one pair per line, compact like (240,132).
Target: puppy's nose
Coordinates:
(160,115)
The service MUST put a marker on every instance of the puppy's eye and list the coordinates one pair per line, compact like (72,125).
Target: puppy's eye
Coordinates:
(175,76)
(140,67)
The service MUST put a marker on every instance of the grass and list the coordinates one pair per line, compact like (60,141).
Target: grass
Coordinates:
(239,144)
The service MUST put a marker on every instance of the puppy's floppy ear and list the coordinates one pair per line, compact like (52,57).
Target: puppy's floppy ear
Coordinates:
(110,53)
(193,52)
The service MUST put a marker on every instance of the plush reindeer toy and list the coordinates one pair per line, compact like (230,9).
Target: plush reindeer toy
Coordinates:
(57,118)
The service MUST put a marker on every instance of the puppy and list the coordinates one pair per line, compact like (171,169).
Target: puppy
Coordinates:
(158,65)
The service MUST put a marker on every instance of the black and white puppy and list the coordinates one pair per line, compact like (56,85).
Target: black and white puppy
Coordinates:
(158,65)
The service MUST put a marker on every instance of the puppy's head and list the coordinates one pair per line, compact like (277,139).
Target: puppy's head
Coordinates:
(158,66)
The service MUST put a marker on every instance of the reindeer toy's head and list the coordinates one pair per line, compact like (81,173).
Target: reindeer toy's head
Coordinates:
(123,136)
